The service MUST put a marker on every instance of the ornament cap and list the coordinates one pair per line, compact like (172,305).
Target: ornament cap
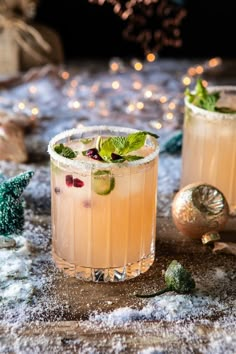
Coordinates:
(210,237)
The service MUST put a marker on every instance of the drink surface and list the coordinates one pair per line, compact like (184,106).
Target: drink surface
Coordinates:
(209,148)
(104,217)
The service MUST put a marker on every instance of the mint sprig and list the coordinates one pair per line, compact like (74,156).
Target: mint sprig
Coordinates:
(65,151)
(203,99)
(122,146)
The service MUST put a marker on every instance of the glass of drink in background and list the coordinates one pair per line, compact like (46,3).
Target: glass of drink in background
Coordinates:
(209,145)
(103,214)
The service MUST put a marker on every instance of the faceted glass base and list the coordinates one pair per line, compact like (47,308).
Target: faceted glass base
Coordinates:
(126,272)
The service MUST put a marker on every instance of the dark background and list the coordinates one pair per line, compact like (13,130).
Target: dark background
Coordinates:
(92,31)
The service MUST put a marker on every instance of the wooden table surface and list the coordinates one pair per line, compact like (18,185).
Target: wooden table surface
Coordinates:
(58,317)
(72,332)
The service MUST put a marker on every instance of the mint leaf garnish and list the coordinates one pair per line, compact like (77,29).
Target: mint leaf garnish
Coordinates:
(132,157)
(152,134)
(202,98)
(65,151)
(108,147)
(121,146)
(225,110)
(120,143)
(135,141)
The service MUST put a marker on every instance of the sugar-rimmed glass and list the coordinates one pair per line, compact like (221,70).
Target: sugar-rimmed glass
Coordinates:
(209,145)
(103,236)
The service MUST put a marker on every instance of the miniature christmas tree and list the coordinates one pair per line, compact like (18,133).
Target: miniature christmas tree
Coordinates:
(12,203)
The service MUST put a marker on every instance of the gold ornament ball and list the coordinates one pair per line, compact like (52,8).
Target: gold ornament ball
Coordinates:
(199,208)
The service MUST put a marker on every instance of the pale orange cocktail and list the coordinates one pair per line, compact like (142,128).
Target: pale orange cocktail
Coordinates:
(209,145)
(103,213)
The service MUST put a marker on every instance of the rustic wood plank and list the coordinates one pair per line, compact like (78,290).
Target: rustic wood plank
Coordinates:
(74,337)
(74,333)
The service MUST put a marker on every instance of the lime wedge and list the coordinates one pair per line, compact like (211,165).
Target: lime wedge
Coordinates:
(102,182)
(98,143)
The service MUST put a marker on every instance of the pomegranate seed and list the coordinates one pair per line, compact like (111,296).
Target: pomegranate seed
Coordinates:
(57,190)
(69,180)
(115,156)
(78,183)
(87,203)
(93,153)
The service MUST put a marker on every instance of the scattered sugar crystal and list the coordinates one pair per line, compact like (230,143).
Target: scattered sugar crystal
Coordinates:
(21,241)
(220,273)
(14,267)
(19,290)
(166,307)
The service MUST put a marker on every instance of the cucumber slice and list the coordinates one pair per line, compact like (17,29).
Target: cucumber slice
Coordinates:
(102,182)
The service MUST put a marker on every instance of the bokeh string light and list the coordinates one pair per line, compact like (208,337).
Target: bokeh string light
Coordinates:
(125,91)
(128,93)
(153,24)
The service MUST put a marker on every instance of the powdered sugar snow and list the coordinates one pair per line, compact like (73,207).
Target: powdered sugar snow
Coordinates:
(166,307)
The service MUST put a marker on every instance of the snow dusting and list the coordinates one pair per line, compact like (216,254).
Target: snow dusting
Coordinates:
(166,307)
(36,298)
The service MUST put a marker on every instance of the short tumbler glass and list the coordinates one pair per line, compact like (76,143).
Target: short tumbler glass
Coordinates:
(109,237)
(209,145)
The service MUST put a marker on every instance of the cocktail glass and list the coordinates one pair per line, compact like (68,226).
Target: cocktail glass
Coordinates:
(209,145)
(103,214)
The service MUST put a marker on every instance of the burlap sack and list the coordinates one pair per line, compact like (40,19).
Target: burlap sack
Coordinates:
(9,53)
(25,44)
(54,56)
(12,144)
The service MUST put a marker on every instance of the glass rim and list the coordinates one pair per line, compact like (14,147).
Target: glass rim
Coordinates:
(210,114)
(86,164)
